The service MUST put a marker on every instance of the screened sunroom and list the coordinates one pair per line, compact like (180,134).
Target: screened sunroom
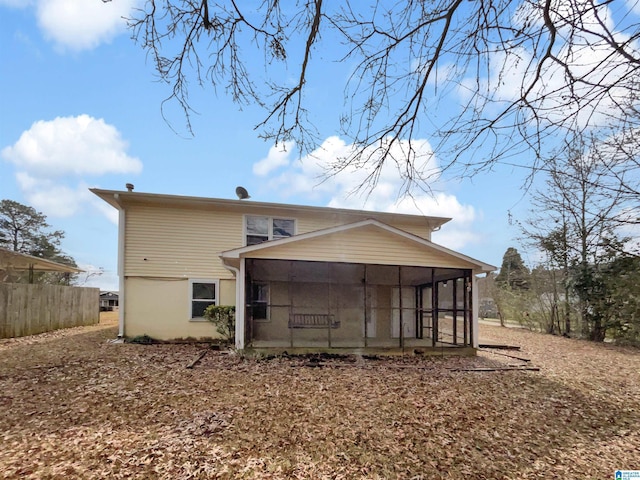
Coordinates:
(303,304)
(357,287)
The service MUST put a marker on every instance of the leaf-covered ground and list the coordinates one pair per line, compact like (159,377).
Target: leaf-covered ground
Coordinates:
(75,406)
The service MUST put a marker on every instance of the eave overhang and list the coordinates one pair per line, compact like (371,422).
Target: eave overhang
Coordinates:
(121,199)
(22,262)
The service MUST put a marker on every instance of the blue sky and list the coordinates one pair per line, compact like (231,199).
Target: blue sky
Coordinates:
(81,107)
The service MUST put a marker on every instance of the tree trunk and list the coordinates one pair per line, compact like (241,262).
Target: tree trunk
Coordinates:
(567,314)
(598,331)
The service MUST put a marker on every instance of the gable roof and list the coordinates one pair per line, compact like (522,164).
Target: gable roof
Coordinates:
(22,262)
(120,199)
(366,241)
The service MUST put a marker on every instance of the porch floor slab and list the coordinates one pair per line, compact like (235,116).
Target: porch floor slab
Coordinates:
(390,351)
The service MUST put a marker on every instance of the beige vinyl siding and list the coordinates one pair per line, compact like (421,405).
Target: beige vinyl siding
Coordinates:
(182,243)
(186,243)
(312,223)
(160,308)
(363,245)
(418,230)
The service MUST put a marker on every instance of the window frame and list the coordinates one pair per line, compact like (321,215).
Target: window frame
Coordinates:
(270,235)
(266,302)
(216,301)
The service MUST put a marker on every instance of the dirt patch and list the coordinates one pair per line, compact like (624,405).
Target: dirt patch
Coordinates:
(76,406)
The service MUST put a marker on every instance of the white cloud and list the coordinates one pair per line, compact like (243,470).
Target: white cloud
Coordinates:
(634,6)
(278,156)
(309,175)
(308,178)
(458,233)
(53,198)
(587,57)
(79,145)
(106,209)
(82,25)
(54,158)
(78,24)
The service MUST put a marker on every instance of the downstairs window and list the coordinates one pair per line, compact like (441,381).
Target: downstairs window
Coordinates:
(202,294)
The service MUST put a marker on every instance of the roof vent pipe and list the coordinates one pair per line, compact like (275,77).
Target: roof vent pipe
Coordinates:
(129,187)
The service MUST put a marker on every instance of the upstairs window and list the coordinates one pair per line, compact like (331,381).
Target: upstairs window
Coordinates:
(261,229)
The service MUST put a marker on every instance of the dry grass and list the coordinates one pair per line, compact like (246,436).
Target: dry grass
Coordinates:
(75,406)
(109,318)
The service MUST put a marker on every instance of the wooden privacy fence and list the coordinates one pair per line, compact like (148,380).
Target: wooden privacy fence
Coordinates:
(28,309)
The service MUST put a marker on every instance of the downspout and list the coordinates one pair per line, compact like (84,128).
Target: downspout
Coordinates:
(432,230)
(121,283)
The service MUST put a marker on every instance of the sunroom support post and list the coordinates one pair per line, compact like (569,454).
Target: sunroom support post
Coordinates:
(467,312)
(474,310)
(364,306)
(400,318)
(290,297)
(240,305)
(434,308)
(329,294)
(455,311)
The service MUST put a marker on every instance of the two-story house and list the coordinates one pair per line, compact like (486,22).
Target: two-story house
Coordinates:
(302,278)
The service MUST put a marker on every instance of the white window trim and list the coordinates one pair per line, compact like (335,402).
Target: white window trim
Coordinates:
(190,303)
(270,218)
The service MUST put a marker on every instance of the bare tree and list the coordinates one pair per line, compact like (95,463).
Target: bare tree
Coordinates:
(616,148)
(575,222)
(497,78)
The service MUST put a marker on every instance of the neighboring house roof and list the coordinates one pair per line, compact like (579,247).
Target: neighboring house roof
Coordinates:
(343,243)
(108,294)
(21,262)
(119,199)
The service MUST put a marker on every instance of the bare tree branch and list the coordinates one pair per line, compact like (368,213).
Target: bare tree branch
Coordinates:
(485,81)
